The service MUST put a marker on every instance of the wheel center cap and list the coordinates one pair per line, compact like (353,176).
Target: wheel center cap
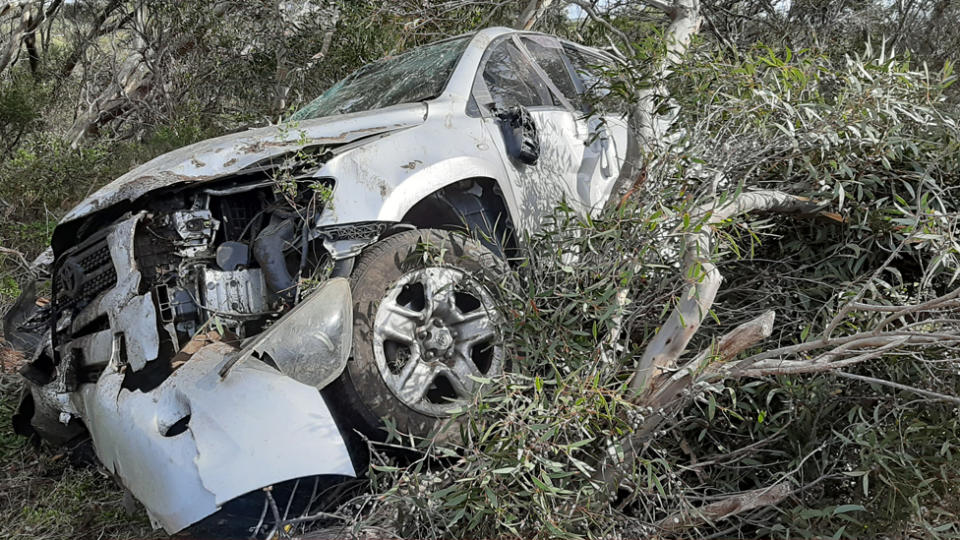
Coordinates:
(439,340)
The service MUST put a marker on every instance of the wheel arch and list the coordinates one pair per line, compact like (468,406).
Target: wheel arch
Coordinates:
(475,204)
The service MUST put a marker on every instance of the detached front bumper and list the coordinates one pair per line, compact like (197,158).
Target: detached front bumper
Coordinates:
(197,441)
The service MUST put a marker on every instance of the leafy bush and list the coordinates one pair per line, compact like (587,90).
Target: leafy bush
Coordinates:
(876,142)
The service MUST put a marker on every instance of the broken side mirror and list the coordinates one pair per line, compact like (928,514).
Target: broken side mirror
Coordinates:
(519,134)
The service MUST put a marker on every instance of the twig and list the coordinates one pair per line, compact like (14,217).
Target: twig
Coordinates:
(277,527)
(314,517)
(20,257)
(797,367)
(592,13)
(928,393)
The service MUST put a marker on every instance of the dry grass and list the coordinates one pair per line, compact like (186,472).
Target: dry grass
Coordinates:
(43,496)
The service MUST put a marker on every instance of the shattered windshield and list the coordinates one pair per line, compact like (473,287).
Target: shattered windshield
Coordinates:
(416,75)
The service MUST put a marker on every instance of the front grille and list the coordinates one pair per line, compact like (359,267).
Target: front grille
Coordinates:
(83,274)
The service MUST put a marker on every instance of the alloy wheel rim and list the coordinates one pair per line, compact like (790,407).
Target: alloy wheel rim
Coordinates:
(435,333)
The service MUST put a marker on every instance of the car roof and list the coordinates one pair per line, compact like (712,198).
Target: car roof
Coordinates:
(494,32)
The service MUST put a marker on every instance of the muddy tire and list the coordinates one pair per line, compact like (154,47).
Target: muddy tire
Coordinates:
(425,326)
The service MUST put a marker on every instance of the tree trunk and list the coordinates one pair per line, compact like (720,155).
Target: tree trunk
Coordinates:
(648,129)
(96,30)
(30,19)
(532,13)
(134,82)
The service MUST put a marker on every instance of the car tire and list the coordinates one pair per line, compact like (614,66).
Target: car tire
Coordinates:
(426,325)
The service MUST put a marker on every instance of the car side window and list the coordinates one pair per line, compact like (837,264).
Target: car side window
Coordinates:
(547,54)
(589,68)
(508,79)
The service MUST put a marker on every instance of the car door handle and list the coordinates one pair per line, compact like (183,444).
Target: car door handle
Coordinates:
(606,153)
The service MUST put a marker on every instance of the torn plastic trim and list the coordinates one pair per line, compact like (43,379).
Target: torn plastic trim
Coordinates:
(256,428)
(347,240)
(310,343)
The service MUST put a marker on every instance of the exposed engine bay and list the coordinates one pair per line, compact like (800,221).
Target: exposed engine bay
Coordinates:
(229,258)
(208,309)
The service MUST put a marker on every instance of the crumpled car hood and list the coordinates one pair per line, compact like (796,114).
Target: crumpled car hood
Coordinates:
(221,156)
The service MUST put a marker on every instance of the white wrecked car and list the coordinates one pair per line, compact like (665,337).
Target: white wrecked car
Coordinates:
(201,301)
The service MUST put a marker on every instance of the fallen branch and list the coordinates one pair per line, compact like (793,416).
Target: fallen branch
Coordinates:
(728,507)
(669,388)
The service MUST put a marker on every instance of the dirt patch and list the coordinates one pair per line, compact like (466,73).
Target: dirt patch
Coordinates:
(11,360)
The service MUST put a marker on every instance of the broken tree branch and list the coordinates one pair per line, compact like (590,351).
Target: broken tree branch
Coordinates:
(703,278)
(667,387)
(730,506)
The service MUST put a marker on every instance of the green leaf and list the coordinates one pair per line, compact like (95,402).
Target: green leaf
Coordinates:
(455,500)
(491,496)
(844,508)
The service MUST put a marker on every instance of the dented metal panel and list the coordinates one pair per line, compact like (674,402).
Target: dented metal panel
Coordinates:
(216,158)
(253,429)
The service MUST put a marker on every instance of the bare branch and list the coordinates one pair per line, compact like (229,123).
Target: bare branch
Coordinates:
(588,8)
(728,507)
(928,393)
(533,13)
(819,364)
(19,256)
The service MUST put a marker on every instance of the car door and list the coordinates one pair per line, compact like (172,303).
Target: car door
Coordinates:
(600,164)
(604,112)
(508,77)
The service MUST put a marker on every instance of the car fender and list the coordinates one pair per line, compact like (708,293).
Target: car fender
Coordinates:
(382,179)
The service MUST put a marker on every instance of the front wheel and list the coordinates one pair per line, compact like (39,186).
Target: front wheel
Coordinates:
(426,326)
